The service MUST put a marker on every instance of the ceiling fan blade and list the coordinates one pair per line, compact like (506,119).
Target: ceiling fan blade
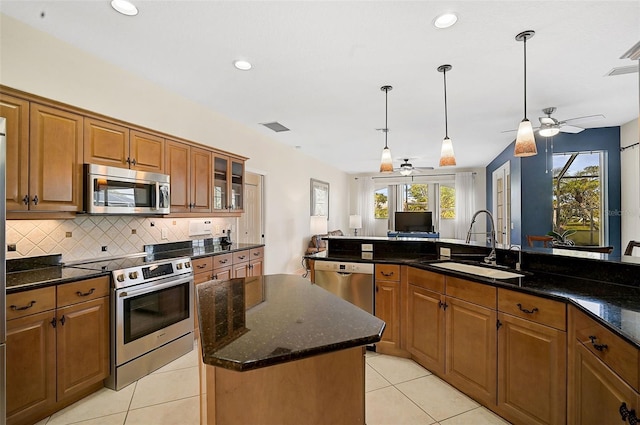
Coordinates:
(584,118)
(570,129)
(511,131)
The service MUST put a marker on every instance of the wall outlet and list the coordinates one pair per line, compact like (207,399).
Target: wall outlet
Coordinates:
(164,233)
(11,247)
(367,247)
(445,253)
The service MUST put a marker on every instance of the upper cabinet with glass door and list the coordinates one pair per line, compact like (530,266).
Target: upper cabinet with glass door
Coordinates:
(228,184)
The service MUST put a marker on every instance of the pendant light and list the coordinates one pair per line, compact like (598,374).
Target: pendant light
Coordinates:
(386,164)
(525,140)
(447,158)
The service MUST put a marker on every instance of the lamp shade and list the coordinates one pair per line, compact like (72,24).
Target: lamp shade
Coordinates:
(525,141)
(386,164)
(318,224)
(447,157)
(548,131)
(355,222)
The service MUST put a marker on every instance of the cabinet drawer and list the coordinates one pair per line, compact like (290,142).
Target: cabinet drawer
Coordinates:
(30,302)
(389,272)
(426,279)
(202,265)
(83,290)
(473,292)
(257,253)
(615,352)
(223,260)
(202,277)
(241,256)
(537,309)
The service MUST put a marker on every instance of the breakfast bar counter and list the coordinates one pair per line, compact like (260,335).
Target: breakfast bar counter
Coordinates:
(279,349)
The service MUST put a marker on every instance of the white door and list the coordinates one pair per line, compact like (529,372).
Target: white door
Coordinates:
(501,209)
(251,222)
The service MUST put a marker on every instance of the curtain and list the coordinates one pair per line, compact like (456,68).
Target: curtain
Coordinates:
(465,203)
(366,207)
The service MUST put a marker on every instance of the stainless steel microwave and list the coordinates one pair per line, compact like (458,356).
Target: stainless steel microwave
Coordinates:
(112,190)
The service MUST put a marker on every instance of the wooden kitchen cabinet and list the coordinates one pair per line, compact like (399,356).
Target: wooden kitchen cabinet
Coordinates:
(603,373)
(387,307)
(228,184)
(190,169)
(532,366)
(58,355)
(248,263)
(44,159)
(423,322)
(16,112)
(107,143)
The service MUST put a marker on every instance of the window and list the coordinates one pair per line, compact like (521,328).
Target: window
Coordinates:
(415,197)
(577,196)
(447,202)
(381,203)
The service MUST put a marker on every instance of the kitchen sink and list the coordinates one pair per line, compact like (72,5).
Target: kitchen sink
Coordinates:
(477,270)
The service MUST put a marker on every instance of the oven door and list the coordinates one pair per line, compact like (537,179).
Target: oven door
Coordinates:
(150,315)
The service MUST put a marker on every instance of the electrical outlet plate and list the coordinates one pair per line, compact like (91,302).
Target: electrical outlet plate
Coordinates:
(367,247)
(445,252)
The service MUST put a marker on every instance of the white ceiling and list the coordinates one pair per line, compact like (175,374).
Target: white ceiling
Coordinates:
(319,66)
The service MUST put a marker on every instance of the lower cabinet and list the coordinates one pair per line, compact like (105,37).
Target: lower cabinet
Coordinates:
(57,347)
(248,263)
(424,318)
(387,307)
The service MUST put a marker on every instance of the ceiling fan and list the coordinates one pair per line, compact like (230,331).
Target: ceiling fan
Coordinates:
(550,126)
(406,168)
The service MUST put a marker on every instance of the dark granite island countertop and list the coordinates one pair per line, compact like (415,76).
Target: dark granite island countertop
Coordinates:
(273,319)
(280,350)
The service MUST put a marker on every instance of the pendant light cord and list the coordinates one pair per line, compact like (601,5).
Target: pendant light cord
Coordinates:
(386,115)
(446,124)
(524,39)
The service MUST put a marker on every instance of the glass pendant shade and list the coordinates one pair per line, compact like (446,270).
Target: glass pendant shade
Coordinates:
(525,141)
(447,157)
(386,164)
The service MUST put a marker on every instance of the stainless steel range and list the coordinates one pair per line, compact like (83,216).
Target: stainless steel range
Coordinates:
(152,323)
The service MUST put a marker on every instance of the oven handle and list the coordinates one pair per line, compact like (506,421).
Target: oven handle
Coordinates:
(169,284)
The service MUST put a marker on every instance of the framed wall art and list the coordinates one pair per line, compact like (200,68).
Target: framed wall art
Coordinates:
(319,198)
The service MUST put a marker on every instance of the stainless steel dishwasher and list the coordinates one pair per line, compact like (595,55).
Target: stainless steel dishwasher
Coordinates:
(350,281)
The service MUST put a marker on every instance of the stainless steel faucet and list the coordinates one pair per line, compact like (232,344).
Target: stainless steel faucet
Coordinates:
(491,258)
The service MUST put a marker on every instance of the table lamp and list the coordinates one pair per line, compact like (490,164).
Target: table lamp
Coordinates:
(318,227)
(355,222)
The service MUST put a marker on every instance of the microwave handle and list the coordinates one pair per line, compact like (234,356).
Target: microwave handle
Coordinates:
(155,202)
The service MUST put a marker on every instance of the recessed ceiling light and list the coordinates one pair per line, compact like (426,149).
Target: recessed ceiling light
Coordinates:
(125,7)
(445,20)
(242,65)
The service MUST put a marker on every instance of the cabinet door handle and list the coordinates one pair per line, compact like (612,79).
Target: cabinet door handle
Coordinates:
(128,161)
(627,415)
(498,324)
(26,199)
(524,310)
(386,274)
(443,305)
(85,294)
(62,320)
(599,347)
(35,200)
(133,162)
(26,307)
(53,322)
(256,254)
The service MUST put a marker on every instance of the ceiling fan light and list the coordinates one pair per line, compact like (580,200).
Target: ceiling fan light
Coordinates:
(405,170)
(525,140)
(125,7)
(386,163)
(548,131)
(447,157)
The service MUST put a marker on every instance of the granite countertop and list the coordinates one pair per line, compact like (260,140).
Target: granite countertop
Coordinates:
(197,251)
(264,321)
(22,280)
(616,306)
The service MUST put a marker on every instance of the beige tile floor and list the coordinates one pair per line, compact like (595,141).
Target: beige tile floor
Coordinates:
(398,392)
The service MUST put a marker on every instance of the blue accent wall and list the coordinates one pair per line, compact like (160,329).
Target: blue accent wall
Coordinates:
(532,180)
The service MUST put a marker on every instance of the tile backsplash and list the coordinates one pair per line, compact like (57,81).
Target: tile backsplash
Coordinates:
(83,237)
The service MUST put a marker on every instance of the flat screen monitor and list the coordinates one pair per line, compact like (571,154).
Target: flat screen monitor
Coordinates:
(414,221)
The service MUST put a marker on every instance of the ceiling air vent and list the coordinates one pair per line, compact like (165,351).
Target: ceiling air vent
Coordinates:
(275,126)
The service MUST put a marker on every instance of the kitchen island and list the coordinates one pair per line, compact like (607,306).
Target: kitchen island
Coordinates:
(280,350)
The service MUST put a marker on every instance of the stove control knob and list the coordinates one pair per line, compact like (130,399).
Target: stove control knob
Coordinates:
(133,275)
(120,278)
(179,266)
(187,265)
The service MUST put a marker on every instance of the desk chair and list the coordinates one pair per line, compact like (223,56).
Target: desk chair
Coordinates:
(546,240)
(630,246)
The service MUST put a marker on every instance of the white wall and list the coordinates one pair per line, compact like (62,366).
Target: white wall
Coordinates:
(39,64)
(630,182)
